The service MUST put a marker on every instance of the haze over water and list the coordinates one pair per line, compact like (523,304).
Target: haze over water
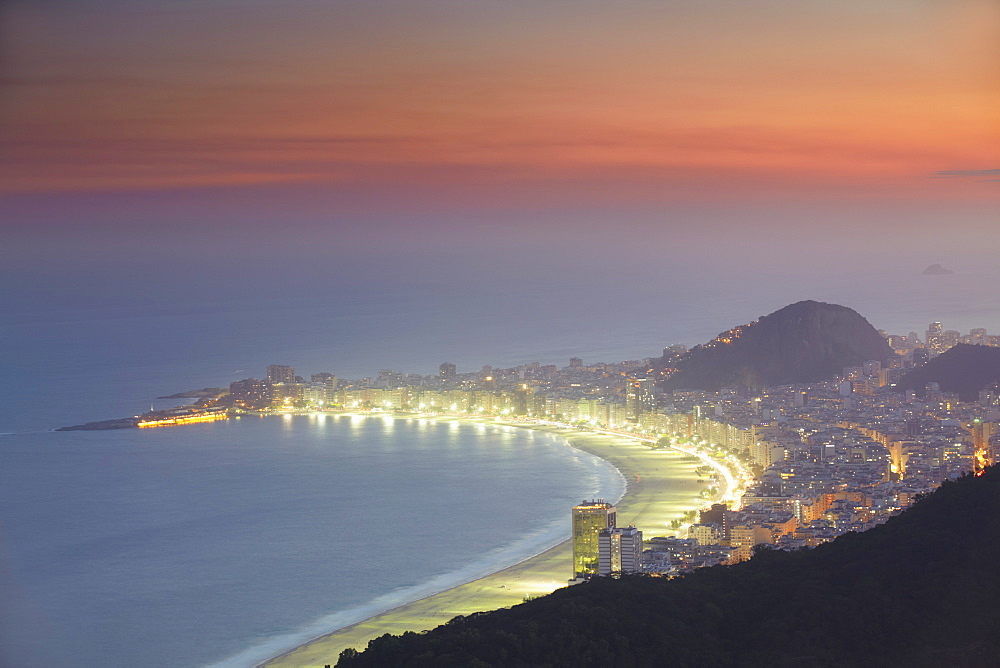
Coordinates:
(398,183)
(178,547)
(110,348)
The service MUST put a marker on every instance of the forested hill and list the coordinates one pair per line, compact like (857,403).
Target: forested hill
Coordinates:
(921,590)
(802,343)
(962,369)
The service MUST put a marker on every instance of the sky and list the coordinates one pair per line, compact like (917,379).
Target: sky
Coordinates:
(447,141)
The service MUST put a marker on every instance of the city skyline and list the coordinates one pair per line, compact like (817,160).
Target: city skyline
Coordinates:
(406,217)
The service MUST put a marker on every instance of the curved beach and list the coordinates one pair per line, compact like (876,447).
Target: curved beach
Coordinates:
(662,486)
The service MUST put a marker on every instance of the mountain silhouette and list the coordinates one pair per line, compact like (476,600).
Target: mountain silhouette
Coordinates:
(963,369)
(804,342)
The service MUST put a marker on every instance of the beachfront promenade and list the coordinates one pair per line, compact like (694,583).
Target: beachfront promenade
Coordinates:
(662,486)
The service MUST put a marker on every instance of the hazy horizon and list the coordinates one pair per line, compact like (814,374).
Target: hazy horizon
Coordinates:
(191,190)
(263,148)
(390,184)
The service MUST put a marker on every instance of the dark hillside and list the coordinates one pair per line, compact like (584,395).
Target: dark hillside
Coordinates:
(921,590)
(804,342)
(962,369)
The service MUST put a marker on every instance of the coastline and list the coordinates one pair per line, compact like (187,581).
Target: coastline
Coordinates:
(661,486)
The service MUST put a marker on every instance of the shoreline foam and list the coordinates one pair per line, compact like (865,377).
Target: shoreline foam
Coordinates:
(658,488)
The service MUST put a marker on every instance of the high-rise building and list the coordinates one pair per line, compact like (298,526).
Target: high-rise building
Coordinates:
(619,550)
(933,338)
(993,449)
(981,432)
(589,519)
(977,336)
(387,378)
(328,382)
(277,373)
(950,338)
(250,393)
(889,376)
(990,395)
(287,394)
(639,397)
(521,399)
(447,370)
(330,385)
(717,514)
(871,368)
(765,452)
(899,344)
(705,534)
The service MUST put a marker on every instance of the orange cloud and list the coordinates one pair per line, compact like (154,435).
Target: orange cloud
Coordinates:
(803,99)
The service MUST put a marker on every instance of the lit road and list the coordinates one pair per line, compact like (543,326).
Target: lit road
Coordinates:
(732,492)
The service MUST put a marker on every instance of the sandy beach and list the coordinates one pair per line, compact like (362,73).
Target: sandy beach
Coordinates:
(662,486)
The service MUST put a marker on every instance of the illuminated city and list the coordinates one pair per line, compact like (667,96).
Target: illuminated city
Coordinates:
(457,333)
(789,467)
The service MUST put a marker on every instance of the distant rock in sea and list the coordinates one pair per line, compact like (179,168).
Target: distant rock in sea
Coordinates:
(937,270)
(802,343)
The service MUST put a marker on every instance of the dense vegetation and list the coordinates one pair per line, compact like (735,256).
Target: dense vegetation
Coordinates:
(962,369)
(802,343)
(921,590)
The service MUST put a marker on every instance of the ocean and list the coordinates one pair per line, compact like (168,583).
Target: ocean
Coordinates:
(230,542)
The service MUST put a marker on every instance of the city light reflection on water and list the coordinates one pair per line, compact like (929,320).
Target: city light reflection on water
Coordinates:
(284,477)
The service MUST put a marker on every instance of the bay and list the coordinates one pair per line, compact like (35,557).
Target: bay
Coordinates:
(237,540)
(225,542)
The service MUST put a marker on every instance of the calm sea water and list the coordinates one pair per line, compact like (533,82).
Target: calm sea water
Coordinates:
(92,356)
(235,541)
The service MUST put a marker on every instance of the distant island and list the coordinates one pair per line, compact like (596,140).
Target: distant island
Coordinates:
(937,270)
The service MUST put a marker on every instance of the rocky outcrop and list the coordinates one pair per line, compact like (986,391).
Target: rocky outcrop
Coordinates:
(804,342)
